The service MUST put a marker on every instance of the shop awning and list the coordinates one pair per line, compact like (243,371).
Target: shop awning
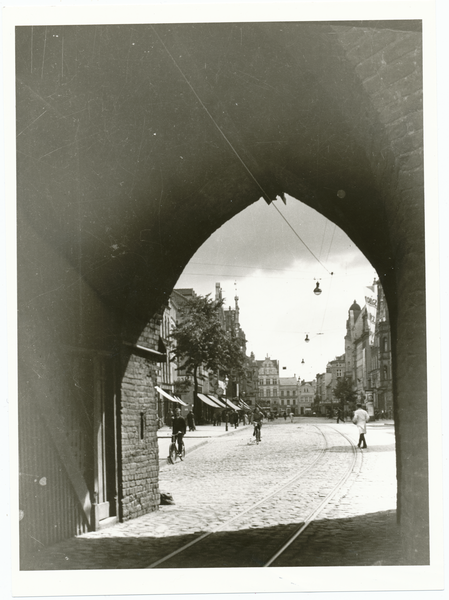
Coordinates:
(217,401)
(179,400)
(230,404)
(207,400)
(167,395)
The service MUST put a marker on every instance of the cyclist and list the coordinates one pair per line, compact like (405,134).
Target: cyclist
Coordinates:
(257,420)
(178,428)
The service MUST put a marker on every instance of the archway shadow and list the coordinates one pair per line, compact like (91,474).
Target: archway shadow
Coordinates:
(366,540)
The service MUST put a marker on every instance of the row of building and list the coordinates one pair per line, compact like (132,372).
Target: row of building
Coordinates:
(366,361)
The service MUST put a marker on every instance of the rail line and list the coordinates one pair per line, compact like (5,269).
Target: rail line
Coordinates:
(289,483)
(313,515)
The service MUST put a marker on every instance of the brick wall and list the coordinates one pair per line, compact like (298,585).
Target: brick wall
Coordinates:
(389,65)
(139,447)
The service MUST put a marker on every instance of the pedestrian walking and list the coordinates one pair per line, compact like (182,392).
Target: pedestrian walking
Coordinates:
(340,416)
(361,418)
(291,417)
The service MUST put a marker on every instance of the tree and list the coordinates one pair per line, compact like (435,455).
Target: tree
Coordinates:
(344,392)
(200,340)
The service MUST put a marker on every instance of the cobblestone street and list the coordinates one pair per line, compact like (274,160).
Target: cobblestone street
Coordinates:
(286,477)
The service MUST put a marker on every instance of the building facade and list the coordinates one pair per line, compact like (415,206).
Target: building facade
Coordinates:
(306,396)
(323,381)
(381,376)
(288,395)
(268,383)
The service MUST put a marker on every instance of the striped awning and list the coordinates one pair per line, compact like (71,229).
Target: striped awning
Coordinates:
(167,395)
(179,400)
(230,404)
(207,401)
(217,401)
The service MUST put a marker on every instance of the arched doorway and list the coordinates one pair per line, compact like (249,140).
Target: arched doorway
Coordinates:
(152,137)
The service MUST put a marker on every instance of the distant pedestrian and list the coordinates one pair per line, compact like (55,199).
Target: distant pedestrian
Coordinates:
(191,421)
(291,417)
(340,416)
(361,418)
(284,414)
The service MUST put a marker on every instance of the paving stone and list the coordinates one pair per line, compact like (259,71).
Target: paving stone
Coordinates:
(221,478)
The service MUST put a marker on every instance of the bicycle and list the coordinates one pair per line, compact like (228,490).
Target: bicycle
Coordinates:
(257,432)
(173,451)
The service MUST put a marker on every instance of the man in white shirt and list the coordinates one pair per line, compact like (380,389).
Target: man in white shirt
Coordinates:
(361,418)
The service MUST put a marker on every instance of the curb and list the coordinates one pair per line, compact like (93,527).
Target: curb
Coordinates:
(163,461)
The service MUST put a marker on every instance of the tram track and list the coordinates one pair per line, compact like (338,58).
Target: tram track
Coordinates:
(289,485)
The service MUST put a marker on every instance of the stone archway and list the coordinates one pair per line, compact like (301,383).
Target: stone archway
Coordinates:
(138,142)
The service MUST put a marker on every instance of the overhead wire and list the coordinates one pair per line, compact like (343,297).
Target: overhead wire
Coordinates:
(301,240)
(236,153)
(265,195)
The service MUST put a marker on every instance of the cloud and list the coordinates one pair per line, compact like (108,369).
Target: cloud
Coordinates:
(258,257)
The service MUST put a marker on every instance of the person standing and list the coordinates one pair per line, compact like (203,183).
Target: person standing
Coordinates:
(191,420)
(361,418)
(291,417)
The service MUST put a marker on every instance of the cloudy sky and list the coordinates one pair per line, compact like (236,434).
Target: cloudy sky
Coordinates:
(257,257)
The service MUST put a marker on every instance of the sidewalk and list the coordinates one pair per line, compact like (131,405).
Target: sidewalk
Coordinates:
(193,439)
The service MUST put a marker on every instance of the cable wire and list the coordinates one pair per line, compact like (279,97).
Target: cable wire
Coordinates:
(301,240)
(228,141)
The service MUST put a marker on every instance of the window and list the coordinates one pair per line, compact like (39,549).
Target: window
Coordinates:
(275,392)
(282,392)
(384,344)
(288,393)
(385,372)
